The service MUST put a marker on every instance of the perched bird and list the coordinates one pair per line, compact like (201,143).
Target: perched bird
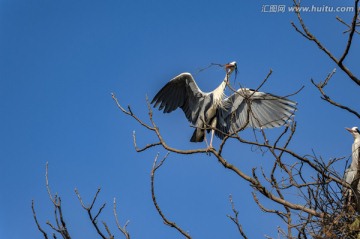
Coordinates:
(351,175)
(213,111)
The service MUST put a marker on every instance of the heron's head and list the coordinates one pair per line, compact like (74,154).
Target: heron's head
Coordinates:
(230,67)
(354,131)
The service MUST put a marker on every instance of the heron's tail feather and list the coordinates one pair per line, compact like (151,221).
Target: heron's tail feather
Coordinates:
(198,135)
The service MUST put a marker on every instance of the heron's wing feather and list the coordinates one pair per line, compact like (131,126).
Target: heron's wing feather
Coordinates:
(249,108)
(181,91)
(357,155)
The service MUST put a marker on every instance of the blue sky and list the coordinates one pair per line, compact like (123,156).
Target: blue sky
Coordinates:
(60,60)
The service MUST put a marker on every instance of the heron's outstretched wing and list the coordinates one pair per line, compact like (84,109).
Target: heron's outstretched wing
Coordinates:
(249,108)
(181,91)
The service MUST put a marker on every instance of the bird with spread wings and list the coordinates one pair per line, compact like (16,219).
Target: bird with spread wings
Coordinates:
(213,111)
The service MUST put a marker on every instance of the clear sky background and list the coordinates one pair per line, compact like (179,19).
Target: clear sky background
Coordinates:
(59,62)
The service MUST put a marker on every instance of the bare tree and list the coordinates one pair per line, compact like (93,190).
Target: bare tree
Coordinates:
(60,229)
(318,211)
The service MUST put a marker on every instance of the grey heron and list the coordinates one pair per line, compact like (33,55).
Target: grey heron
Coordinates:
(222,115)
(351,175)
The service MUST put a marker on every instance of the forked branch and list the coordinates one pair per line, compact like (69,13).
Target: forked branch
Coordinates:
(305,32)
(321,85)
(166,221)
(59,228)
(93,218)
(122,229)
(235,218)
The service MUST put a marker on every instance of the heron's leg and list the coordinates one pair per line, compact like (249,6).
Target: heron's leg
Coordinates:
(207,145)
(211,139)
(213,125)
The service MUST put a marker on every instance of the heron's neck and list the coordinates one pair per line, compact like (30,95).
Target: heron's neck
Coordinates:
(218,93)
(357,140)
(356,145)
(355,154)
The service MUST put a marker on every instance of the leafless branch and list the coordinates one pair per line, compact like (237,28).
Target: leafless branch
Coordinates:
(235,218)
(121,228)
(167,222)
(59,227)
(48,187)
(111,236)
(349,27)
(321,85)
(257,89)
(90,213)
(351,32)
(59,218)
(130,113)
(36,221)
(305,32)
(145,147)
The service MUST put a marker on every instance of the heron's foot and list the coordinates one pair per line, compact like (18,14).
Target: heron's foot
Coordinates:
(208,150)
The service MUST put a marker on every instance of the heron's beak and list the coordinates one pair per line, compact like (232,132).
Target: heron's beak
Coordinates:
(350,130)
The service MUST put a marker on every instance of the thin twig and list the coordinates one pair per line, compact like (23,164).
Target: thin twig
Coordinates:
(321,85)
(308,35)
(36,221)
(89,208)
(351,33)
(167,222)
(235,218)
(123,229)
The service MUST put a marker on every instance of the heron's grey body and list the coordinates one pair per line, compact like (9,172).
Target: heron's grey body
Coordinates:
(199,107)
(351,175)
(210,111)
